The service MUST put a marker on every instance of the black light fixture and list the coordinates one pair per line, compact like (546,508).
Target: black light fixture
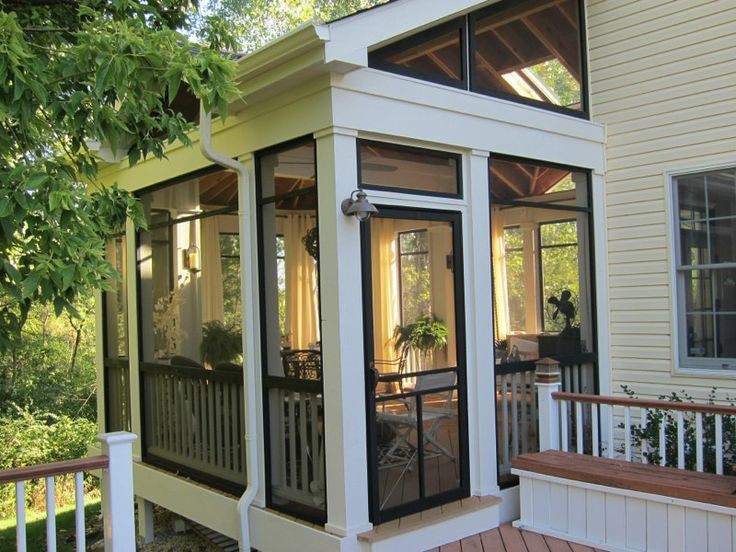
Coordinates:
(358,205)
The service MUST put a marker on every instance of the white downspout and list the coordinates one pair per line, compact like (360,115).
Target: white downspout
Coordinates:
(205,141)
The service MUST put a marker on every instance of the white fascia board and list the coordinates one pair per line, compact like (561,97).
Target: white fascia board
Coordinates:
(393,105)
(392,21)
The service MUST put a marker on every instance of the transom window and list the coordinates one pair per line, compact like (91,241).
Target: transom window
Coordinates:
(706,268)
(528,51)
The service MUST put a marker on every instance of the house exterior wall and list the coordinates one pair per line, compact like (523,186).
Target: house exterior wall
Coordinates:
(662,80)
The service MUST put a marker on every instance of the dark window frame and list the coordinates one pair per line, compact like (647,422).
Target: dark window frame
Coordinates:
(459,24)
(417,150)
(467,24)
(311,515)
(540,261)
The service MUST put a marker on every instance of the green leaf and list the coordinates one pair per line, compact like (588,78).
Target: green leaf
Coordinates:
(30,285)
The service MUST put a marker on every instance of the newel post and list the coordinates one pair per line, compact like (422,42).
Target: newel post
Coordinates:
(548,381)
(117,491)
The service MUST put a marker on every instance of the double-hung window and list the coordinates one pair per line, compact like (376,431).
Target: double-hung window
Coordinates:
(706,268)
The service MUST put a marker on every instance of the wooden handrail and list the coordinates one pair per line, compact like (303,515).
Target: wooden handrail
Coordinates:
(646,403)
(53,469)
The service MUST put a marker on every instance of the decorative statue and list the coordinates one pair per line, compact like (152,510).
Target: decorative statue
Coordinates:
(564,306)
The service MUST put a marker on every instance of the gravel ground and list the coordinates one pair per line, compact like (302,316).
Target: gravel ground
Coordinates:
(166,540)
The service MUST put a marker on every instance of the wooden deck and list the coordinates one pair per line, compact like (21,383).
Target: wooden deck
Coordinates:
(509,539)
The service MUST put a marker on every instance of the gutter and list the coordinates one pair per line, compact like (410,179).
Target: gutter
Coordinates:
(244,502)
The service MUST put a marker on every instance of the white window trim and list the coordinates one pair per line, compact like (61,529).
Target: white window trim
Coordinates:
(682,366)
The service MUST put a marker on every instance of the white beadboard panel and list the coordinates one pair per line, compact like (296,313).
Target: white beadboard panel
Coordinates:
(577,506)
(558,515)
(696,530)
(636,523)
(616,520)
(676,529)
(656,527)
(540,506)
(526,501)
(719,533)
(595,520)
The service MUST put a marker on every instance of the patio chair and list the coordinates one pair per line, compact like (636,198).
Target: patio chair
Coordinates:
(305,364)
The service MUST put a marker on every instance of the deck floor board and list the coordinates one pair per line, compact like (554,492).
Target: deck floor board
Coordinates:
(509,539)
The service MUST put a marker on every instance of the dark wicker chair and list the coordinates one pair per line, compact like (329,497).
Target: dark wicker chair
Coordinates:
(304,364)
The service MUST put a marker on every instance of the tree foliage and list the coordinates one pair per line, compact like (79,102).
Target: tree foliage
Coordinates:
(70,72)
(256,22)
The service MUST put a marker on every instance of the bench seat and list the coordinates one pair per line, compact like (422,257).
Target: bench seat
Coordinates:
(618,505)
(645,478)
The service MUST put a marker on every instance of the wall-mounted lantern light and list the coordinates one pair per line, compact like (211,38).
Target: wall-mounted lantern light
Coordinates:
(192,259)
(358,205)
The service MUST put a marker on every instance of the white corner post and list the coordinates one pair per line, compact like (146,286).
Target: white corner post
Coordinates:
(342,336)
(117,491)
(548,381)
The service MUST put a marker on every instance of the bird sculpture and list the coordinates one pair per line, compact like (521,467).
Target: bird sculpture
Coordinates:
(563,306)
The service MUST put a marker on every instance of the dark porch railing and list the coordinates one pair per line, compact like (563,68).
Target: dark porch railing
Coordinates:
(516,405)
(193,423)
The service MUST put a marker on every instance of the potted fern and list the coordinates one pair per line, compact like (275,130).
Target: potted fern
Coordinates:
(220,343)
(426,334)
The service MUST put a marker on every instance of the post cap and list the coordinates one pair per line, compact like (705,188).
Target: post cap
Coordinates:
(547,371)
(116,437)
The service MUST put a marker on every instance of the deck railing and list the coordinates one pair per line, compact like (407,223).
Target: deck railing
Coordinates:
(517,404)
(194,422)
(297,443)
(694,436)
(117,500)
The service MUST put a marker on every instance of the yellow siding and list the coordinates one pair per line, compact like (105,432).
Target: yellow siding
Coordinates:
(662,76)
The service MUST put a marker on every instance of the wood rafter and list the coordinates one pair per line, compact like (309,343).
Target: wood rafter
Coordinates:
(563,57)
(507,181)
(443,66)
(515,14)
(486,65)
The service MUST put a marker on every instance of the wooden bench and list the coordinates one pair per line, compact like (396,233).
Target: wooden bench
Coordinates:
(625,506)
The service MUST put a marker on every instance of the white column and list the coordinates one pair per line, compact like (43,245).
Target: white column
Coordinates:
(479,314)
(133,337)
(117,491)
(600,245)
(342,336)
(548,382)
(100,360)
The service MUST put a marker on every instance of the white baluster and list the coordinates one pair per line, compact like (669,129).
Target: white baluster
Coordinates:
(611,438)
(644,444)
(514,415)
(594,427)
(662,440)
(20,516)
(79,514)
(505,421)
(50,515)
(680,440)
(579,427)
(699,441)
(719,444)
(627,433)
(564,420)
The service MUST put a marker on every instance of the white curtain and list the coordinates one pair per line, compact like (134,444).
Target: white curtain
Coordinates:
(500,288)
(302,312)
(384,269)
(212,294)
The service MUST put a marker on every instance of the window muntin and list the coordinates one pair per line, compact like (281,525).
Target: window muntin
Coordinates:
(531,51)
(436,55)
(408,169)
(706,268)
(415,278)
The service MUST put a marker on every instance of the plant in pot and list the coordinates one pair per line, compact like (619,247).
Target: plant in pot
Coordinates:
(220,343)
(426,334)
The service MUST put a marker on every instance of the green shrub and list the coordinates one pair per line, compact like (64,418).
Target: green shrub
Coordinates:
(650,434)
(29,438)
